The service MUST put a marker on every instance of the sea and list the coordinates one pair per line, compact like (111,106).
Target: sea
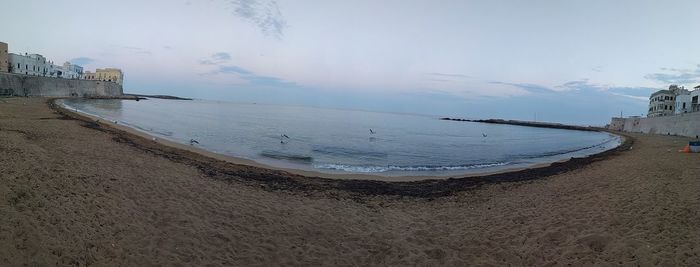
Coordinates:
(342,141)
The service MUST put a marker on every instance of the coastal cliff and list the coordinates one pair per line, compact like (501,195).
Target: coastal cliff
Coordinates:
(25,85)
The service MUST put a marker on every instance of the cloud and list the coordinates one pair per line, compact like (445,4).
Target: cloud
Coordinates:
(579,85)
(638,92)
(451,75)
(232,70)
(216,59)
(584,86)
(82,61)
(676,76)
(221,56)
(532,88)
(268,81)
(221,62)
(265,14)
(250,76)
(446,77)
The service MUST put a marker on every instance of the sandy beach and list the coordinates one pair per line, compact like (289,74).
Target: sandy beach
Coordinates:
(75,192)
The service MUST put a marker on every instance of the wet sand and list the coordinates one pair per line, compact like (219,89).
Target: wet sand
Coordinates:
(78,193)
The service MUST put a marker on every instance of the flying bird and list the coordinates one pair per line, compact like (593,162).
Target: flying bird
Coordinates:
(484,134)
(371,131)
(192,142)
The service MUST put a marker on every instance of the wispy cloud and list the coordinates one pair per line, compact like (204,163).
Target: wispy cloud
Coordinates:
(638,92)
(451,75)
(265,14)
(232,70)
(532,88)
(586,87)
(82,61)
(579,85)
(447,77)
(676,76)
(222,64)
(216,59)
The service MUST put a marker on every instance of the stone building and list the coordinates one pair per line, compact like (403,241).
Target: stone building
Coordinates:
(29,64)
(88,75)
(107,75)
(69,71)
(4,58)
(663,102)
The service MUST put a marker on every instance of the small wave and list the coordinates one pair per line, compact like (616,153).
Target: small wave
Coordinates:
(151,130)
(602,145)
(378,169)
(286,156)
(348,152)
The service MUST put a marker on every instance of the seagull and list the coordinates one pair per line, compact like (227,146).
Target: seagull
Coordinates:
(192,142)
(484,134)
(285,136)
(371,131)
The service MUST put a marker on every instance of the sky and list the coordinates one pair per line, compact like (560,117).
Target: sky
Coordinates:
(578,62)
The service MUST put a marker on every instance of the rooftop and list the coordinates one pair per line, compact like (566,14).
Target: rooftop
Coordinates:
(661,92)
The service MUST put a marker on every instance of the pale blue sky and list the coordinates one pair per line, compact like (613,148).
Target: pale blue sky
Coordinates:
(566,61)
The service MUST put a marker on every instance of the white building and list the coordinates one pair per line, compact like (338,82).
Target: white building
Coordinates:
(683,104)
(663,102)
(69,71)
(694,99)
(29,64)
(37,65)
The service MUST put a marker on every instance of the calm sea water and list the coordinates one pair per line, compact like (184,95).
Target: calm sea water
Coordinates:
(340,141)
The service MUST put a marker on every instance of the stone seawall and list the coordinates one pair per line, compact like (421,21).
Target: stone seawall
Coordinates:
(687,124)
(23,85)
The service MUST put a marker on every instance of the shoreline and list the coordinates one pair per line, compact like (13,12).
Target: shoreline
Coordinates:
(73,192)
(428,186)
